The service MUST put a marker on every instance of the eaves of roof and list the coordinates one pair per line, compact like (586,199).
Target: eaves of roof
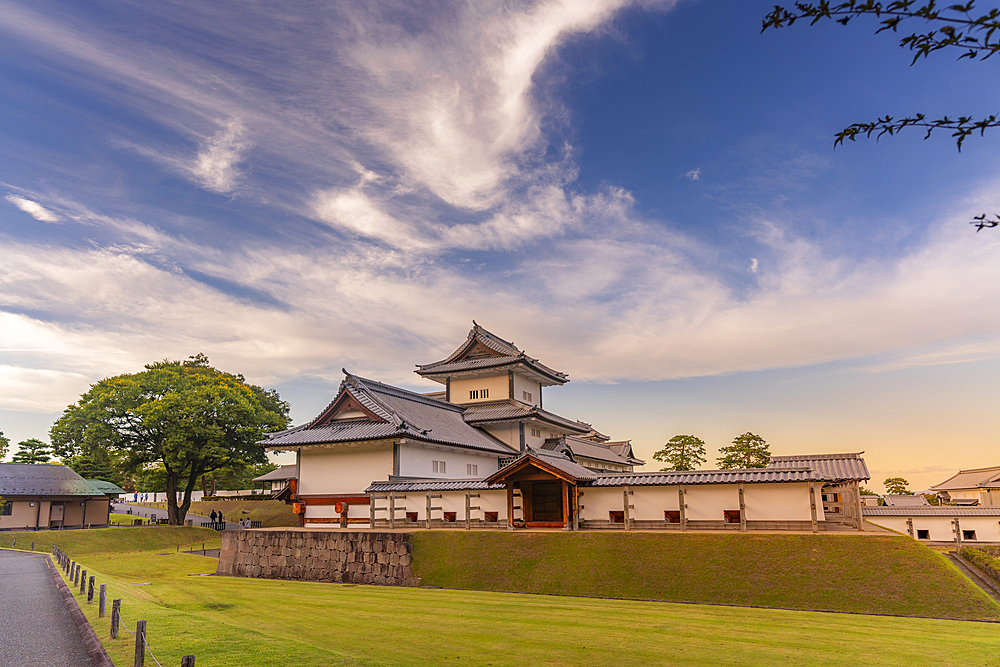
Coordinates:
(940,510)
(694,477)
(434,485)
(508,410)
(825,467)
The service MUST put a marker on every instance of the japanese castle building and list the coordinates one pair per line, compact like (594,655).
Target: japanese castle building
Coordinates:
(483,452)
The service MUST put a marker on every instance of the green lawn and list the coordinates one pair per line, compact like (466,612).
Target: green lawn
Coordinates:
(855,573)
(270,513)
(78,543)
(237,622)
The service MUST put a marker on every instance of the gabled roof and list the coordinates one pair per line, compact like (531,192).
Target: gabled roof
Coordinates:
(974,478)
(279,474)
(587,449)
(552,462)
(825,467)
(510,410)
(623,448)
(483,350)
(893,500)
(42,479)
(390,412)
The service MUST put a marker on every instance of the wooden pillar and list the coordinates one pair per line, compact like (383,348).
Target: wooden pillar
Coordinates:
(626,515)
(909,526)
(812,505)
(681,500)
(371,512)
(576,507)
(743,509)
(392,510)
(83,521)
(468,510)
(857,504)
(958,532)
(428,515)
(565,504)
(510,506)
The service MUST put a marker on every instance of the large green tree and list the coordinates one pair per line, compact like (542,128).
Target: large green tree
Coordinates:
(747,451)
(32,450)
(974,34)
(187,417)
(682,452)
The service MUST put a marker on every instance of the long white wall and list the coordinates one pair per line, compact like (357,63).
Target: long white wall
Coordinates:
(940,529)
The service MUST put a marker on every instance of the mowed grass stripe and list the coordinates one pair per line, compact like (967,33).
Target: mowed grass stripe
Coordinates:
(847,573)
(235,621)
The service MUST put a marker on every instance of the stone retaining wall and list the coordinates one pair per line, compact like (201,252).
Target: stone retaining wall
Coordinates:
(349,557)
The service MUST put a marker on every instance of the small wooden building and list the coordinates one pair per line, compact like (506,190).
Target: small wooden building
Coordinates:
(48,496)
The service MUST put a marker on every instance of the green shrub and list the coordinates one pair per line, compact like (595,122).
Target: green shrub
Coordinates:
(986,559)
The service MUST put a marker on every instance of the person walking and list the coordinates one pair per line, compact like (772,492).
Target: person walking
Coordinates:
(214,515)
(221,520)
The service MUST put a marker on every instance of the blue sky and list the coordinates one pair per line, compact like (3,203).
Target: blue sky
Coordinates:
(644,195)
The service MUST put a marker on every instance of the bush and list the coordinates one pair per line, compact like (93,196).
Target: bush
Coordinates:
(986,559)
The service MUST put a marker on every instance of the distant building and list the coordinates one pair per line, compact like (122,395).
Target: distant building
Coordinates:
(42,497)
(278,479)
(905,500)
(976,486)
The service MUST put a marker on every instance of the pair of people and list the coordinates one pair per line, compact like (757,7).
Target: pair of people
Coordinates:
(216,516)
(245,524)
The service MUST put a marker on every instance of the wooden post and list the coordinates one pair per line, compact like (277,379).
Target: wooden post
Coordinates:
(428,517)
(83,582)
(626,515)
(576,507)
(140,644)
(812,505)
(90,591)
(392,522)
(116,617)
(681,504)
(371,513)
(909,526)
(743,509)
(33,544)
(187,661)
(468,502)
(857,502)
(958,533)
(102,600)
(565,505)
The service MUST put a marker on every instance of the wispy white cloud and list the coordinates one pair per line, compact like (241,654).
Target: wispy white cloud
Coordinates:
(215,166)
(33,208)
(694,174)
(754,265)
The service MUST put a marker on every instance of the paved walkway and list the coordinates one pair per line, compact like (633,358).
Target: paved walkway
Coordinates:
(143,511)
(37,630)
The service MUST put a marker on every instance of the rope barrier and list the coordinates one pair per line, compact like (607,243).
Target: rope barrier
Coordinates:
(146,644)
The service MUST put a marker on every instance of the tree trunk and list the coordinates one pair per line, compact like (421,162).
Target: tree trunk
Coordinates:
(172,516)
(192,480)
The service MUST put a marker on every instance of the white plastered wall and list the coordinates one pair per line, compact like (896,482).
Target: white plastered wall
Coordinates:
(779,502)
(344,470)
(506,433)
(450,501)
(418,461)
(523,384)
(987,527)
(498,386)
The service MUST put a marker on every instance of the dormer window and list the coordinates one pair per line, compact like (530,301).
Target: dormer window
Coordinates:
(479,393)
(527,396)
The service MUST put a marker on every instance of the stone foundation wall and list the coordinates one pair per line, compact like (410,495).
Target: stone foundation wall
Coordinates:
(349,557)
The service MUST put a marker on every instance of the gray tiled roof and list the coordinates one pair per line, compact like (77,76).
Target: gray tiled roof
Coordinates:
(278,474)
(975,478)
(505,410)
(905,501)
(562,463)
(624,449)
(826,467)
(24,479)
(507,353)
(688,477)
(931,510)
(406,414)
(433,485)
(590,450)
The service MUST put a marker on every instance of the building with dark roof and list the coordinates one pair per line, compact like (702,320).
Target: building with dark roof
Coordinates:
(976,486)
(50,496)
(485,446)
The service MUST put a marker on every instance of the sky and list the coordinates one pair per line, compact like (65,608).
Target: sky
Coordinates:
(644,195)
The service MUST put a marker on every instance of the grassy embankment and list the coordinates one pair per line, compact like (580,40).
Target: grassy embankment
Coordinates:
(80,543)
(271,513)
(848,573)
(236,622)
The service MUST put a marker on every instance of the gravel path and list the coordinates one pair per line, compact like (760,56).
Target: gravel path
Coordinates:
(140,510)
(37,630)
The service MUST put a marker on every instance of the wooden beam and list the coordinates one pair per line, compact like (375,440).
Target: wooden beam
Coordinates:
(565,505)
(625,506)
(428,516)
(510,507)
(392,510)
(743,509)
(857,500)
(576,507)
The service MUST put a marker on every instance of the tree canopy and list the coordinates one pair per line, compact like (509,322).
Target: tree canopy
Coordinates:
(682,452)
(897,486)
(958,27)
(187,417)
(32,450)
(747,451)
(4,442)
